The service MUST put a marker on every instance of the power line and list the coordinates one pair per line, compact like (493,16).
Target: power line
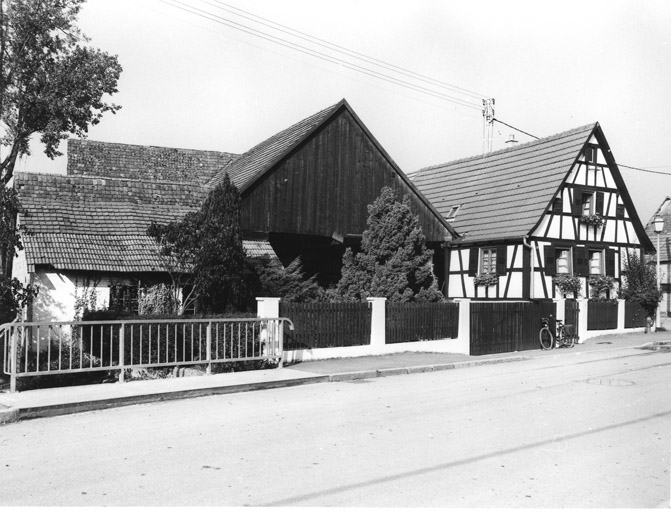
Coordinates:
(517,129)
(341,49)
(645,170)
(314,53)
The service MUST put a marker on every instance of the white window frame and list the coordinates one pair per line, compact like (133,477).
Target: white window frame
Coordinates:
(569,260)
(488,255)
(602,262)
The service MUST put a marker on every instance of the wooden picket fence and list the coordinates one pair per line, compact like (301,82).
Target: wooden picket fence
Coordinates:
(601,315)
(417,322)
(326,325)
(498,327)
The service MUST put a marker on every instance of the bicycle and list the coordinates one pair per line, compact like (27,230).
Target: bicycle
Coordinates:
(563,336)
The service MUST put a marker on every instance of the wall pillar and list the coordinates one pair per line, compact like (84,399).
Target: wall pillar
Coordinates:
(377,321)
(267,307)
(582,320)
(464,333)
(620,314)
(561,309)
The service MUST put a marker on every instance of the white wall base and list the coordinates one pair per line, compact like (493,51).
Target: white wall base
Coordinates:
(452,346)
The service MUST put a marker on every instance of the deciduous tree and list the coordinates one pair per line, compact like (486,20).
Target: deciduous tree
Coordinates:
(206,249)
(640,282)
(51,82)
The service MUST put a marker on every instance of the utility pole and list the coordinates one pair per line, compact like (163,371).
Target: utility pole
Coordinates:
(487,125)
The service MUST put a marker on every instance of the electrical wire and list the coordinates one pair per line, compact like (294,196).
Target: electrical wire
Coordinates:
(645,170)
(517,129)
(314,53)
(341,49)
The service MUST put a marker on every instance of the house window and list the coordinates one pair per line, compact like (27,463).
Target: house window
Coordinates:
(123,299)
(590,154)
(563,261)
(595,263)
(488,261)
(558,205)
(587,203)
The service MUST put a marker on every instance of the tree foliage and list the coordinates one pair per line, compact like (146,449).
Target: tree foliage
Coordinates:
(13,294)
(51,82)
(394,261)
(640,283)
(288,283)
(205,249)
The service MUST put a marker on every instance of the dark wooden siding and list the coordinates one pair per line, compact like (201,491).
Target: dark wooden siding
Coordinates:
(498,327)
(326,184)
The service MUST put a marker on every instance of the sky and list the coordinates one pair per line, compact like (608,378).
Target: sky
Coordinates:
(192,80)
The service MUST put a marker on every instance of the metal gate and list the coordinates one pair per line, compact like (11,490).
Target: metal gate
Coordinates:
(572,317)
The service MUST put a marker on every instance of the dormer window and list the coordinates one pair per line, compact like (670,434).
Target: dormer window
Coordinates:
(452,214)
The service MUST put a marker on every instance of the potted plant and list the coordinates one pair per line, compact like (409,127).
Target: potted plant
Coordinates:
(568,283)
(486,280)
(593,220)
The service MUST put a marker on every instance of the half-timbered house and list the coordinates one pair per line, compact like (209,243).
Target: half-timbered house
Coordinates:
(535,219)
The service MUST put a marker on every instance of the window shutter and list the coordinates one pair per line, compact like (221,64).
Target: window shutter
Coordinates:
(501,260)
(550,260)
(576,204)
(473,261)
(599,203)
(580,261)
(558,205)
(610,262)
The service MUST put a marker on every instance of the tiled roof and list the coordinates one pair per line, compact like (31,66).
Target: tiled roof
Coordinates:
(113,160)
(94,224)
(263,156)
(502,194)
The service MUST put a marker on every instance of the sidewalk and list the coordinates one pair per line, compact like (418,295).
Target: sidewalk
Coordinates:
(69,400)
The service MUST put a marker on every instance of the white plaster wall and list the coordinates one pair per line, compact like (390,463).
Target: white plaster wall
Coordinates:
(58,292)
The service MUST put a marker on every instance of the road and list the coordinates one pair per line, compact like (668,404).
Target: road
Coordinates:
(565,431)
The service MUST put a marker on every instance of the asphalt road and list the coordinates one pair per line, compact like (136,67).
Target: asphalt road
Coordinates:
(567,431)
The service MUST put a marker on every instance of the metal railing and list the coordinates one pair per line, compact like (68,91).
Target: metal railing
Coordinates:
(32,348)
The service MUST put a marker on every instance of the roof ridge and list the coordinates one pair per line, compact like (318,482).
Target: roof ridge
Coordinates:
(508,150)
(83,177)
(85,141)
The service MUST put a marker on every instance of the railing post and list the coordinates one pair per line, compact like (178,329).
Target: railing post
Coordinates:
(280,324)
(122,352)
(208,341)
(12,361)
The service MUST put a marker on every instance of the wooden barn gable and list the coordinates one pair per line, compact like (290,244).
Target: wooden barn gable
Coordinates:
(317,177)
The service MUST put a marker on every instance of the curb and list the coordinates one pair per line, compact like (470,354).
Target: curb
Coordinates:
(13,414)
(387,372)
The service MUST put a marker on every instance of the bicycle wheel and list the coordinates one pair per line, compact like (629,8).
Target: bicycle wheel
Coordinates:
(546,339)
(569,341)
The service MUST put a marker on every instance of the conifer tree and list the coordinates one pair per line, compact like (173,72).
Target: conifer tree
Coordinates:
(394,261)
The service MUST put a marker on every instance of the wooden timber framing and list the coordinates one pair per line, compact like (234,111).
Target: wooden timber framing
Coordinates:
(524,209)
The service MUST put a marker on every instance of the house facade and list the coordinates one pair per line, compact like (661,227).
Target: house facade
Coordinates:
(304,193)
(547,219)
(664,249)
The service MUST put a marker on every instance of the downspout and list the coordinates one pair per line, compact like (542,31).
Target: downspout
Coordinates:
(526,244)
